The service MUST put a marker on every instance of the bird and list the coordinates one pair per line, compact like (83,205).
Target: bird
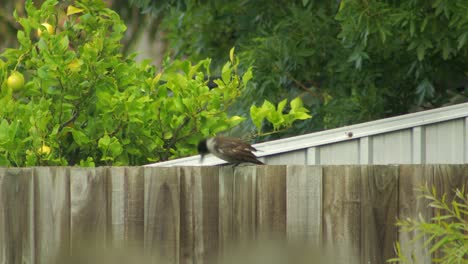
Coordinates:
(232,150)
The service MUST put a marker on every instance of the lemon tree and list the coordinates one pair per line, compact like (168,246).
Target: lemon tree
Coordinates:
(69,96)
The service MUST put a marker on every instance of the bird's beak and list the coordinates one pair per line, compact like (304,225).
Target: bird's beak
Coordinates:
(202,157)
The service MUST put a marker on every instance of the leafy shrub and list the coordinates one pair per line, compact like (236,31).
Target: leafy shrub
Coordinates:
(446,231)
(276,116)
(84,103)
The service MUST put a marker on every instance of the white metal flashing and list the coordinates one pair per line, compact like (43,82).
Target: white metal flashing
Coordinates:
(340,134)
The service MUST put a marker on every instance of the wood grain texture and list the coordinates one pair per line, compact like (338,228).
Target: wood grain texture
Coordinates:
(52,212)
(88,199)
(126,215)
(411,178)
(271,202)
(448,178)
(162,213)
(304,203)
(16,216)
(117,197)
(226,204)
(189,214)
(199,203)
(342,211)
(244,203)
(379,211)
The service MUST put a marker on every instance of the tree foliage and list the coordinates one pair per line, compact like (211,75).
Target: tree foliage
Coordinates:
(351,61)
(130,14)
(85,103)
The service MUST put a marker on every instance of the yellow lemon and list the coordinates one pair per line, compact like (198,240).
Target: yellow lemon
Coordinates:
(44,150)
(15,81)
(49,28)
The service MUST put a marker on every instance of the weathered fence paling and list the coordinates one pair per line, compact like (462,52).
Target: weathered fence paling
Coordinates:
(194,214)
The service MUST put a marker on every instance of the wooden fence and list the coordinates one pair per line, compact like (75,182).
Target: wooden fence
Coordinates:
(191,214)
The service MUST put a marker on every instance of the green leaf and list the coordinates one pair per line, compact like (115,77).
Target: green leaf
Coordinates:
(235,120)
(420,51)
(104,142)
(301,115)
(167,135)
(80,138)
(64,42)
(281,105)
(462,40)
(247,76)
(424,24)
(219,128)
(226,73)
(231,55)
(73,10)
(296,103)
(115,147)
(89,162)
(257,116)
(22,38)
(4,128)
(42,45)
(412,28)
(276,119)
(424,90)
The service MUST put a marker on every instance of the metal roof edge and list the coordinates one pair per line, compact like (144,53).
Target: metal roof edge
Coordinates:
(343,133)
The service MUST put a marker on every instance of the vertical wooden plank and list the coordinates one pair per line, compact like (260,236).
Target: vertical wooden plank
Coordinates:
(411,178)
(189,202)
(244,206)
(210,209)
(199,201)
(117,198)
(88,198)
(304,204)
(162,213)
(379,212)
(226,204)
(52,212)
(271,201)
(126,215)
(447,178)
(342,211)
(135,205)
(16,215)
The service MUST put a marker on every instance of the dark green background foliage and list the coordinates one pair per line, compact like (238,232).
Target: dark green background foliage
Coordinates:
(351,61)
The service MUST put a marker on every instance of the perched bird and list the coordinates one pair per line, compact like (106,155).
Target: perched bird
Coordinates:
(232,150)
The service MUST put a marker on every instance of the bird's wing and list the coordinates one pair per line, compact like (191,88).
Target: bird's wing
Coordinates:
(234,143)
(239,149)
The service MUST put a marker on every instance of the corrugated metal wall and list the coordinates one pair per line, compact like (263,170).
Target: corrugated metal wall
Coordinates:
(443,142)
(438,136)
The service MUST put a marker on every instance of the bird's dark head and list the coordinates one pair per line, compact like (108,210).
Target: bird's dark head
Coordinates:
(202,148)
